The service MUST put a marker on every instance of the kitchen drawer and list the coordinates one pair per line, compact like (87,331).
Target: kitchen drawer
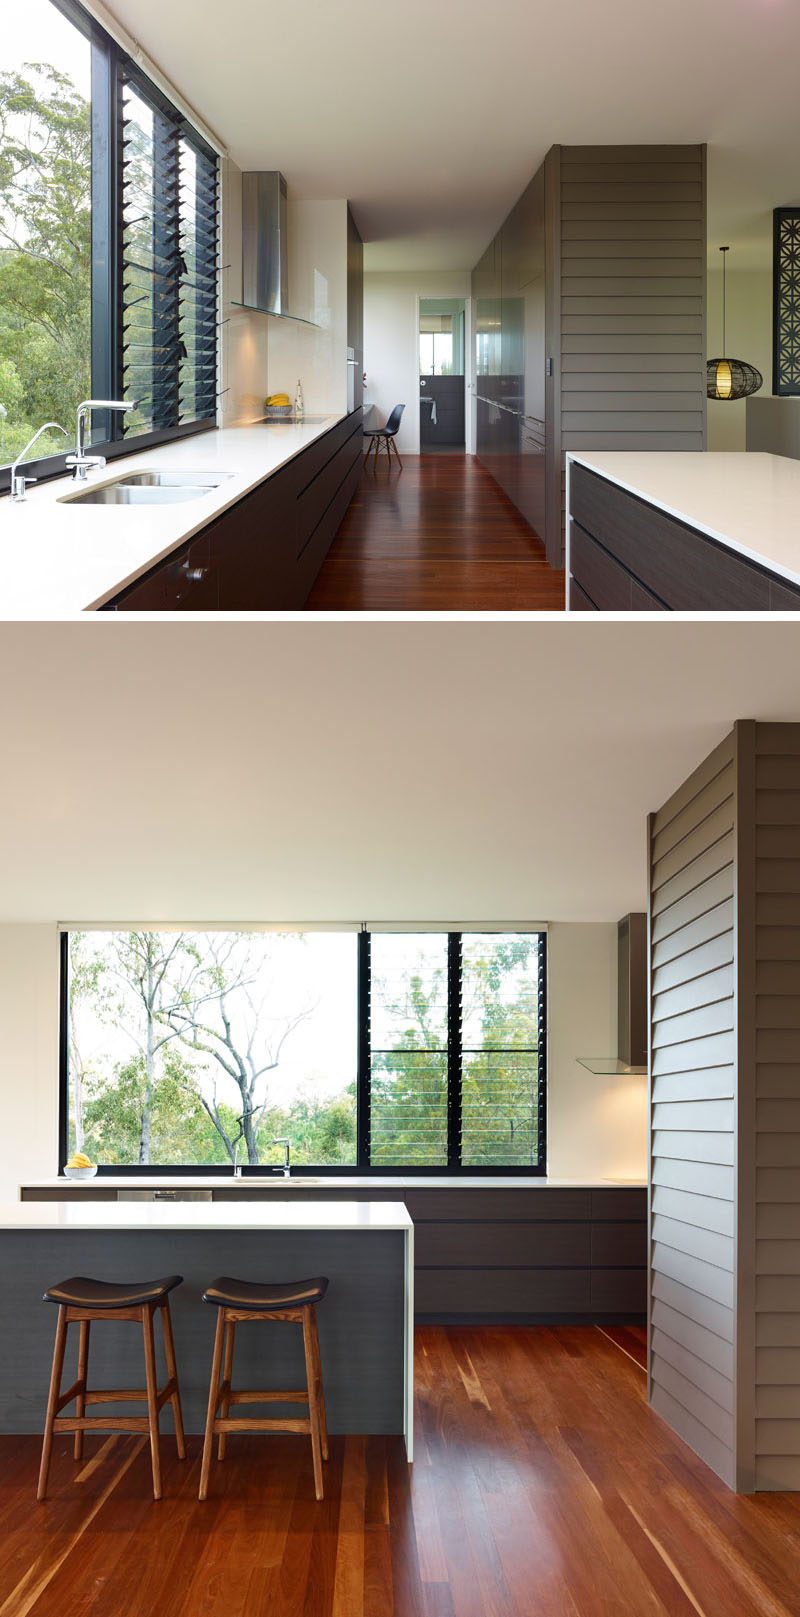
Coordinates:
(316,501)
(622,1246)
(679,566)
(608,584)
(547,1245)
(578,599)
(310,462)
(505,1292)
(618,1291)
(479,1205)
(783,596)
(629,1201)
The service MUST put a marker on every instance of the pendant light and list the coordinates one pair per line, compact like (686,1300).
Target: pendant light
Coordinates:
(730,378)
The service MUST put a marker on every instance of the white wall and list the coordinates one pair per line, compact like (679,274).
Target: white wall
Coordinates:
(597,1126)
(244,334)
(391,341)
(28,1053)
(317,254)
(749,336)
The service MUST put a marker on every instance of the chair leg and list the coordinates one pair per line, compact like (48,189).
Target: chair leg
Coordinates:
(396,451)
(172,1373)
(52,1401)
(213,1398)
(152,1396)
(227,1371)
(323,1422)
(313,1401)
(80,1401)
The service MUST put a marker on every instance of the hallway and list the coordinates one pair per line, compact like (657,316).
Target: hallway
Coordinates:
(437,536)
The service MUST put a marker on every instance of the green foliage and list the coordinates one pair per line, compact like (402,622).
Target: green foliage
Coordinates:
(45,253)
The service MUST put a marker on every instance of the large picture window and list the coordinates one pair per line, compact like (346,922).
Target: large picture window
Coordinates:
(377,1051)
(108,245)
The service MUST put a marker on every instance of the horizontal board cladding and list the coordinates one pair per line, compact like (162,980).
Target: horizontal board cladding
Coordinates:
(632,287)
(709,1083)
(693,1109)
(693,1208)
(777,1104)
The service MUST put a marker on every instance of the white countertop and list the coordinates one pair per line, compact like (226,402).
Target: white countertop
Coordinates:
(59,559)
(272,1215)
(319,1182)
(749,502)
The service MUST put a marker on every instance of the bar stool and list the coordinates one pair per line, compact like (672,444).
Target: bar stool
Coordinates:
(80,1301)
(239,1301)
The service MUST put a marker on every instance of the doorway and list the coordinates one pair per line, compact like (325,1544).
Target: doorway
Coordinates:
(442,353)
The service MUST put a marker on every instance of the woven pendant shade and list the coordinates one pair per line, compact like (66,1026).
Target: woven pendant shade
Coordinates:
(730,378)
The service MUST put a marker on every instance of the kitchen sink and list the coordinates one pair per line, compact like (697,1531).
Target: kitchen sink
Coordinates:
(149,488)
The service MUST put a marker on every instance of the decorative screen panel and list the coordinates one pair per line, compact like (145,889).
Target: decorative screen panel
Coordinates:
(786,301)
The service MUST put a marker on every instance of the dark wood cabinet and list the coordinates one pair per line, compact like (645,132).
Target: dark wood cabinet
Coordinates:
(571,1252)
(629,556)
(264,552)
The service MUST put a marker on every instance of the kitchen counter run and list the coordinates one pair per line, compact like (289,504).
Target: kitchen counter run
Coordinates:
(59,559)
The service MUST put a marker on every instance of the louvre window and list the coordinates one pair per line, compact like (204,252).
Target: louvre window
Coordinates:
(168,273)
(454,1030)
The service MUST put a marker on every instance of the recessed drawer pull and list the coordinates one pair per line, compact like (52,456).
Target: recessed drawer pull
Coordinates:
(194,575)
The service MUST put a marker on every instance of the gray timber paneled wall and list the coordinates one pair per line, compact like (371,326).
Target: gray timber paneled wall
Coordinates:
(776,1041)
(624,308)
(724,1346)
(693,1111)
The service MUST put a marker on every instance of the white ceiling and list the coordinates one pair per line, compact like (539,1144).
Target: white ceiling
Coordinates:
(432,117)
(289,771)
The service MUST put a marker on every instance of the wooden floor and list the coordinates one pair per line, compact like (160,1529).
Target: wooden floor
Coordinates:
(543,1487)
(438,536)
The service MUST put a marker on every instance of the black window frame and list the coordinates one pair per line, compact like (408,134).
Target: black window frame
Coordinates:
(362,1167)
(109,63)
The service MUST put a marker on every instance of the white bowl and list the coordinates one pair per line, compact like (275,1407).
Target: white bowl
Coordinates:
(81,1173)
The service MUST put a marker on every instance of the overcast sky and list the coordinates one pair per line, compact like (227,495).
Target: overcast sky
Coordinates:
(35,31)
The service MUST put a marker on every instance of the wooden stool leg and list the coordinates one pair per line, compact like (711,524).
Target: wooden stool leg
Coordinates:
(323,1423)
(397,454)
(213,1397)
(52,1401)
(313,1400)
(227,1371)
(80,1401)
(152,1395)
(172,1372)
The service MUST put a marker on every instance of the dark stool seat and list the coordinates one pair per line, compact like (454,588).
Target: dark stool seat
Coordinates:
(228,1293)
(81,1300)
(242,1302)
(79,1292)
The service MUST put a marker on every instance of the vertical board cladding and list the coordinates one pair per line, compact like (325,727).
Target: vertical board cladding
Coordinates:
(776,927)
(633,295)
(693,1101)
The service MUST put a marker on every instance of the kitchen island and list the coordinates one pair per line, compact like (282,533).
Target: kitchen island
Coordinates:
(365,1322)
(683,532)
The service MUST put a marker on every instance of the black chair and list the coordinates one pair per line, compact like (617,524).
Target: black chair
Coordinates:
(386,435)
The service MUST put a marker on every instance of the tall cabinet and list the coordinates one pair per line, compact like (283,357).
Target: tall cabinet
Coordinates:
(590,320)
(724,1279)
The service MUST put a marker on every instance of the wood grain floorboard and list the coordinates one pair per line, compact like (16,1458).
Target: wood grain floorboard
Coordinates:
(543,1487)
(437,536)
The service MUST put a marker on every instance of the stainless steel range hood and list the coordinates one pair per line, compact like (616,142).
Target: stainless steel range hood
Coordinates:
(265,283)
(631,1057)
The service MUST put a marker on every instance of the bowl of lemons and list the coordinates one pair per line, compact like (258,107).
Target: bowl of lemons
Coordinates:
(80,1166)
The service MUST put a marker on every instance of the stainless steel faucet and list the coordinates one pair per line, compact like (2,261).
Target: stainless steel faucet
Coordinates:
(80,463)
(287,1147)
(18,482)
(237,1166)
